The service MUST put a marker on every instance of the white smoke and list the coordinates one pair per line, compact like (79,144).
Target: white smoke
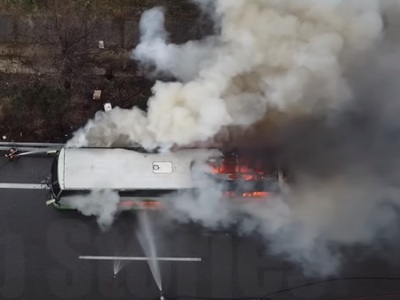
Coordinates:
(154,49)
(102,204)
(269,54)
(308,225)
(205,208)
(346,191)
(292,55)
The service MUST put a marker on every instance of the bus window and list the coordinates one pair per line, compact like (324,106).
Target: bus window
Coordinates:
(55,185)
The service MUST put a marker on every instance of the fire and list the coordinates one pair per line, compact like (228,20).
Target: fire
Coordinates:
(253,194)
(237,169)
(132,204)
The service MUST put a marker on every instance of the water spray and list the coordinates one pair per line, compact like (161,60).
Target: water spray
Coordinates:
(146,239)
(117,267)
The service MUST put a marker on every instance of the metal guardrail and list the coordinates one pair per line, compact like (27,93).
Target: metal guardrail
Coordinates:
(16,144)
(4,146)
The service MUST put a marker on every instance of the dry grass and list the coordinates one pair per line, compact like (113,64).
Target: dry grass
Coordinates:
(48,109)
(116,7)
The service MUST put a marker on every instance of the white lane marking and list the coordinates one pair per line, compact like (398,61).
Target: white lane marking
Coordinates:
(178,259)
(23,186)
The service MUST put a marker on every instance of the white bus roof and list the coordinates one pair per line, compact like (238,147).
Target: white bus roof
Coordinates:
(126,169)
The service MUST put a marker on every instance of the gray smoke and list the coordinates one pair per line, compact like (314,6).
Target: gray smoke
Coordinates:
(346,190)
(291,56)
(316,58)
(102,204)
(155,51)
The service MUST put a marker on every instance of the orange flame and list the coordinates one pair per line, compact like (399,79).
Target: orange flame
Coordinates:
(257,194)
(131,204)
(237,170)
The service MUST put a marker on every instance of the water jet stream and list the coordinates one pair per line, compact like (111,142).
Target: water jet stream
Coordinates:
(117,266)
(146,238)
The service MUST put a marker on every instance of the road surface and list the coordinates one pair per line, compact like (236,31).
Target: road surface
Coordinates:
(40,249)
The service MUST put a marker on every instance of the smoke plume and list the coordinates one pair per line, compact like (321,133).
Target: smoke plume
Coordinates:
(317,59)
(290,56)
(101,204)
(346,189)
(155,51)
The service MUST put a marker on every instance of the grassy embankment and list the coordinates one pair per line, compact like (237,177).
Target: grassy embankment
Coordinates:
(52,63)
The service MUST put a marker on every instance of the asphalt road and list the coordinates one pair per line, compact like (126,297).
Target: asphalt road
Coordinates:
(40,249)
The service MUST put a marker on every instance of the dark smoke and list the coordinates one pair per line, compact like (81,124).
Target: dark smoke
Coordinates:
(344,169)
(362,139)
(297,58)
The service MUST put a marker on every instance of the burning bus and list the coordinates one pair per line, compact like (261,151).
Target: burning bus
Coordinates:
(142,179)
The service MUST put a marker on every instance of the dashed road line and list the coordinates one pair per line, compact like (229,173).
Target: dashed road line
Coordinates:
(140,258)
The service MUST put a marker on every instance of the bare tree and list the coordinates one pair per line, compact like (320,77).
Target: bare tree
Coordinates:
(71,24)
